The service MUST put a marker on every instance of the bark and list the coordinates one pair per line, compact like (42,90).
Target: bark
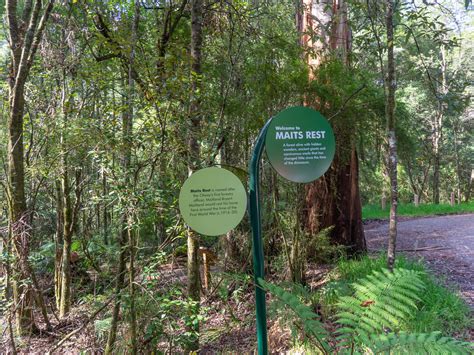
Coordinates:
(58,244)
(458,165)
(436,154)
(390,87)
(126,233)
(65,298)
(68,214)
(438,129)
(193,286)
(65,273)
(334,199)
(131,233)
(23,45)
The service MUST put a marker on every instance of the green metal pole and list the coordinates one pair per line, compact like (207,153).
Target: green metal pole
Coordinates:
(258,261)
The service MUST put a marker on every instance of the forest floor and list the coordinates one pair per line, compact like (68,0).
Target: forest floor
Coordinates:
(445,243)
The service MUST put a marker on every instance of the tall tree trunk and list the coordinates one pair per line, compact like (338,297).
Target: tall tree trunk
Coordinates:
(438,129)
(458,164)
(390,87)
(193,287)
(334,199)
(67,214)
(58,241)
(23,45)
(131,233)
(65,299)
(126,233)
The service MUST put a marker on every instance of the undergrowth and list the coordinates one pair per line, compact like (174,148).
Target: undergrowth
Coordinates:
(374,317)
(440,308)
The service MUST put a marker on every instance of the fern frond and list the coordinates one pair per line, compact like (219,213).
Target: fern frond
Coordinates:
(418,343)
(311,324)
(382,301)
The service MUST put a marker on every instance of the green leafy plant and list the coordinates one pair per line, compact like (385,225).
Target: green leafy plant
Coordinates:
(372,318)
(310,323)
(382,302)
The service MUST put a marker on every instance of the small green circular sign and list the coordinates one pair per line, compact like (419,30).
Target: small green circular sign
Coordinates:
(300,144)
(212,201)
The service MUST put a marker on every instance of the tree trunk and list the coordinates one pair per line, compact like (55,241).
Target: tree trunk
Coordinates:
(126,233)
(23,43)
(390,87)
(334,199)
(193,287)
(438,129)
(131,233)
(67,215)
(65,299)
(58,243)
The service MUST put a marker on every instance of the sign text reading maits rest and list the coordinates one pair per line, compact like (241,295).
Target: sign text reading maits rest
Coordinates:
(296,133)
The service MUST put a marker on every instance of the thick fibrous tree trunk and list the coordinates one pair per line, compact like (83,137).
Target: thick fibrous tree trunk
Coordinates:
(193,287)
(390,87)
(334,199)
(24,34)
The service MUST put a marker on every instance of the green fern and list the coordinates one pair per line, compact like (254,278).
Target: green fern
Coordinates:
(372,318)
(382,302)
(312,326)
(421,343)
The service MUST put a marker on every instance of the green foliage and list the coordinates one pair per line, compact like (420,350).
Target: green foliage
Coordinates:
(236,282)
(170,318)
(43,259)
(440,309)
(371,318)
(417,343)
(310,323)
(101,328)
(382,301)
(322,250)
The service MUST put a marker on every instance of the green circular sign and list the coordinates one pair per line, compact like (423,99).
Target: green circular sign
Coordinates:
(300,144)
(212,201)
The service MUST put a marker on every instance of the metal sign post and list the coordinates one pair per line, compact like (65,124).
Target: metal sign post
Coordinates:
(300,146)
(258,261)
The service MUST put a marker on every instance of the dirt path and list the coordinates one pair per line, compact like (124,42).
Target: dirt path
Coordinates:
(446,243)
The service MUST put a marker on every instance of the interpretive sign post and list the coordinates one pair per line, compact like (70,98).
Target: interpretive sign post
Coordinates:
(300,146)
